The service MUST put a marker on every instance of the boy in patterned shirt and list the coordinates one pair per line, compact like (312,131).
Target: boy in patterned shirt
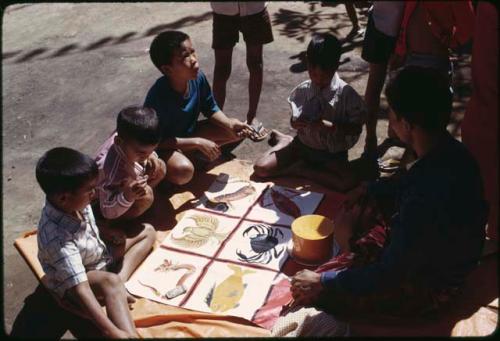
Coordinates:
(129,168)
(73,256)
(328,116)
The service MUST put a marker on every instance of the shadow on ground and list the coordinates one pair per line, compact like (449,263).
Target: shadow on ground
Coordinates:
(47,53)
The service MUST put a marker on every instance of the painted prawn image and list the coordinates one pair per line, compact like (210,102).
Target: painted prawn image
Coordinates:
(223,202)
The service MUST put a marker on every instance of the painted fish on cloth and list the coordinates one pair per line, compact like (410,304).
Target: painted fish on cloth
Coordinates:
(285,204)
(227,294)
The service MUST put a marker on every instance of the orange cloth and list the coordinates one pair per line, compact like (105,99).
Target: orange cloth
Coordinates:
(157,320)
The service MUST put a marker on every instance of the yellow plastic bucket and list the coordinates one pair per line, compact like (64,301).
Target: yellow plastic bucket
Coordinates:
(312,237)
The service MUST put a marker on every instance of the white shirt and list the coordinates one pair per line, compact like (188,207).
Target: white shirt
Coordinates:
(68,248)
(241,8)
(387,16)
(338,103)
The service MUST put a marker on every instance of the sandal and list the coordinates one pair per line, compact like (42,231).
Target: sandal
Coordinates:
(259,132)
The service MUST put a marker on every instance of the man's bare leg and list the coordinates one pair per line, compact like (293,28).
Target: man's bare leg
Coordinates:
(255,68)
(376,79)
(222,71)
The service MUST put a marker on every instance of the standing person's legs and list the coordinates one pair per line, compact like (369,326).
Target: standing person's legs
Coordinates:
(257,31)
(376,79)
(377,49)
(222,71)
(255,68)
(225,34)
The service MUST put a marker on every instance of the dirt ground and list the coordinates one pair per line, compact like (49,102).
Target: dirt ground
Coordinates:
(67,69)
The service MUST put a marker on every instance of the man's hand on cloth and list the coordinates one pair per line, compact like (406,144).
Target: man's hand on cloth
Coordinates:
(306,288)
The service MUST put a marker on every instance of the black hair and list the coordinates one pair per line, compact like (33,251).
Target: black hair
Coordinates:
(164,45)
(324,50)
(140,124)
(422,96)
(64,169)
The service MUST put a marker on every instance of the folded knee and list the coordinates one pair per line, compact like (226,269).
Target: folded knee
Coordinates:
(181,174)
(112,281)
(149,233)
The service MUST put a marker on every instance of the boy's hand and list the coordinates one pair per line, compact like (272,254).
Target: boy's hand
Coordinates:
(209,148)
(133,189)
(153,167)
(240,129)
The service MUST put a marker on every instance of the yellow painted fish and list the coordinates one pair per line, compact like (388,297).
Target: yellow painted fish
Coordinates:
(228,293)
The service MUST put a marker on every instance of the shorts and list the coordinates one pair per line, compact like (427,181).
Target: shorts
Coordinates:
(256,29)
(377,46)
(315,156)
(441,64)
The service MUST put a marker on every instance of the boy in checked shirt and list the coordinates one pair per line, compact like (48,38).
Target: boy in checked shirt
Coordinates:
(76,262)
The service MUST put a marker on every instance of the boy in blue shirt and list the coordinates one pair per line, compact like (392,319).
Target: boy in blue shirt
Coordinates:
(178,98)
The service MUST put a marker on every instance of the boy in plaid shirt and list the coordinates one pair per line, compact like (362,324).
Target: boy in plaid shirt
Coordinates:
(73,256)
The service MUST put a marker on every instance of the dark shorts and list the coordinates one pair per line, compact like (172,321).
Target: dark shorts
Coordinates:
(377,46)
(314,156)
(256,29)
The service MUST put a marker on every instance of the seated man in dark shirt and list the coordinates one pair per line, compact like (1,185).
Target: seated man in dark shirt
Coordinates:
(438,227)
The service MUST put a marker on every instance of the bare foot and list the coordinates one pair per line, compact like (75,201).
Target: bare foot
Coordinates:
(276,138)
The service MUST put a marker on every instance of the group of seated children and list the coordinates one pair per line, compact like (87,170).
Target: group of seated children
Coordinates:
(159,141)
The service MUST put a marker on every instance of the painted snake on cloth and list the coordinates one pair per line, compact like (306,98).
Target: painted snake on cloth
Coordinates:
(179,287)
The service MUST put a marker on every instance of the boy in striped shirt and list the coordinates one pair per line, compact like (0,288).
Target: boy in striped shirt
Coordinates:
(128,166)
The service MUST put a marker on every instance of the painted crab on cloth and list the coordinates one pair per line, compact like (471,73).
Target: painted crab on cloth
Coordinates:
(205,230)
(263,242)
